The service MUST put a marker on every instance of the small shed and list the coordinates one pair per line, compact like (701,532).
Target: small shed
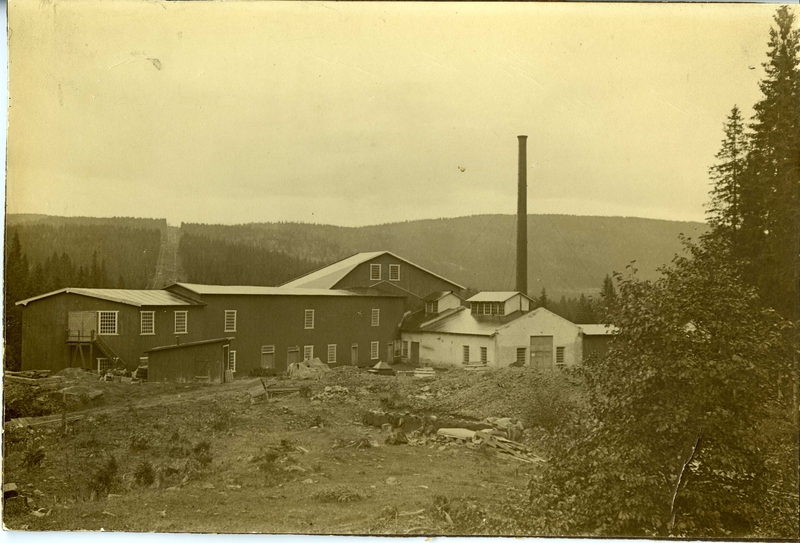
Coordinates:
(203,361)
(597,338)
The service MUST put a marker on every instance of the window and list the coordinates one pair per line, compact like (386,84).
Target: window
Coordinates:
(484,355)
(308,352)
(232,361)
(230,320)
(147,323)
(375,272)
(332,353)
(103,364)
(394,272)
(560,358)
(465,350)
(309,321)
(268,356)
(432,307)
(405,350)
(521,355)
(181,326)
(498,308)
(107,323)
(373,350)
(376,317)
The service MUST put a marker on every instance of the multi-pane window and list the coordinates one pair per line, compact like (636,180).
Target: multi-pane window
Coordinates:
(487,308)
(484,355)
(147,323)
(230,320)
(560,357)
(332,353)
(431,307)
(497,308)
(107,323)
(103,364)
(521,355)
(394,272)
(374,347)
(309,319)
(308,352)
(232,361)
(181,324)
(465,354)
(375,272)
(404,353)
(376,317)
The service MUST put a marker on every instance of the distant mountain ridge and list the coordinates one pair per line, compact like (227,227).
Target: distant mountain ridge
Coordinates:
(567,254)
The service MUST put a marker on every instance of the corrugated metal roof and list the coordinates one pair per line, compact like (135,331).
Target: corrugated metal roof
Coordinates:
(436,296)
(264,291)
(494,296)
(191,344)
(328,276)
(598,329)
(461,321)
(138,298)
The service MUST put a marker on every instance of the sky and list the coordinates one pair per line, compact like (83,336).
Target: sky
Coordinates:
(356,114)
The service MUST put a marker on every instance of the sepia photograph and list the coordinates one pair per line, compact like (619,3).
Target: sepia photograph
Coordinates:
(402,269)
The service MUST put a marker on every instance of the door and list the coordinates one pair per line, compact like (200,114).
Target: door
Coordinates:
(81,325)
(390,353)
(292,356)
(542,352)
(415,352)
(268,356)
(354,354)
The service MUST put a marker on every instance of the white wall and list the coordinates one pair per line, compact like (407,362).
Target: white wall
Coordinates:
(539,322)
(448,301)
(518,302)
(439,350)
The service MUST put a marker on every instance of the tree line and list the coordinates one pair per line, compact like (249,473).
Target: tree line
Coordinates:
(690,428)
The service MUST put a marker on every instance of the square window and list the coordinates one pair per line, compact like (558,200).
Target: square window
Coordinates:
(332,353)
(181,324)
(308,352)
(484,355)
(394,272)
(376,317)
(147,323)
(232,361)
(465,354)
(309,319)
(375,272)
(432,307)
(107,323)
(230,320)
(374,347)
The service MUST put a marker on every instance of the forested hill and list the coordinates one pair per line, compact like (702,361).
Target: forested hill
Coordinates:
(567,254)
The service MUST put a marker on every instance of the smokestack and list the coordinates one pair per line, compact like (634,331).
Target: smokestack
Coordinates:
(522,217)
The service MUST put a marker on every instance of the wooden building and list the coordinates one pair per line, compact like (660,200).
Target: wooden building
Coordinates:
(204,361)
(380,270)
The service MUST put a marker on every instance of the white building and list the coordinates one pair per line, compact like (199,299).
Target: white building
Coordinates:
(497,330)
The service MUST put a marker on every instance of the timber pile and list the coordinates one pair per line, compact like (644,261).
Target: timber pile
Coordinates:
(485,438)
(37,378)
(49,420)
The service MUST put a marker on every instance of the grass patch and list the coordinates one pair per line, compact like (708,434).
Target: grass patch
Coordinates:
(338,494)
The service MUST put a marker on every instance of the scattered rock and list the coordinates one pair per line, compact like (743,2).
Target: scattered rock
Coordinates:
(392,481)
(307,482)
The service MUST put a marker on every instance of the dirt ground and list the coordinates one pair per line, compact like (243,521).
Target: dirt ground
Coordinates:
(203,458)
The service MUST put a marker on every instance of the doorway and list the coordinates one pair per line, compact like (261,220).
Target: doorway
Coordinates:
(542,352)
(354,354)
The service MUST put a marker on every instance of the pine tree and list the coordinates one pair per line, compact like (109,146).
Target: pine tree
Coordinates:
(16,285)
(770,236)
(543,300)
(608,297)
(724,211)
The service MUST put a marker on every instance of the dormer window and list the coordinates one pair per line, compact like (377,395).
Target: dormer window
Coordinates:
(432,307)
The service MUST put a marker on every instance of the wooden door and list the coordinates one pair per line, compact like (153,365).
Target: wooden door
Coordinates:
(354,354)
(268,356)
(415,352)
(292,356)
(541,352)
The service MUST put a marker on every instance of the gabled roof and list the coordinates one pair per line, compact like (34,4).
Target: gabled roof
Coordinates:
(598,329)
(436,296)
(138,298)
(241,290)
(328,276)
(495,296)
(459,320)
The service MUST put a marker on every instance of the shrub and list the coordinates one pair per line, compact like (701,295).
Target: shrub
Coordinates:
(27,401)
(138,441)
(32,458)
(338,494)
(145,474)
(202,452)
(105,478)
(263,372)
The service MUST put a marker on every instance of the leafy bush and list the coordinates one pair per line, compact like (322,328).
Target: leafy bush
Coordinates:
(338,494)
(555,402)
(32,458)
(27,401)
(138,441)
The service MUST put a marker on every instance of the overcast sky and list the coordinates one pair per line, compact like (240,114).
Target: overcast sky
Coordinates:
(357,114)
